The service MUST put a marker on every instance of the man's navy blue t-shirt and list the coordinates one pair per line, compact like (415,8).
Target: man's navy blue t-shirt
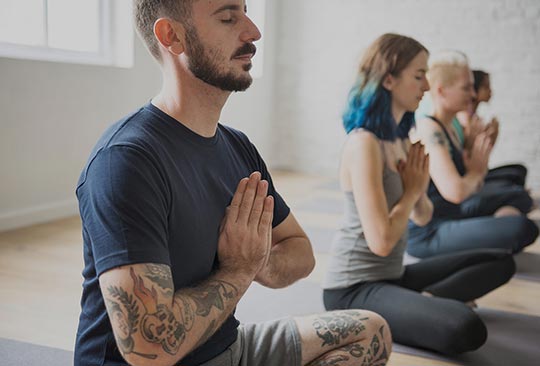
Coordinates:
(153,191)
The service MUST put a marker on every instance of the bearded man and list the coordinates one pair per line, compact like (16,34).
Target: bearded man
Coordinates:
(180,216)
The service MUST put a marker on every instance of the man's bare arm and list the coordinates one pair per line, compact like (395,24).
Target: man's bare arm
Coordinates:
(152,324)
(291,257)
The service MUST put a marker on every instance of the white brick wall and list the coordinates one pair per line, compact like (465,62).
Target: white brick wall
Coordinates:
(321,41)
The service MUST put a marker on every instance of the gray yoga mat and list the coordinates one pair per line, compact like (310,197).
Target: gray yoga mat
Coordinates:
(16,353)
(528,266)
(513,340)
(260,303)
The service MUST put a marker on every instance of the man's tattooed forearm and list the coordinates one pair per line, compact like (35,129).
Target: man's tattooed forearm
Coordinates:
(159,324)
(209,332)
(188,313)
(213,294)
(140,313)
(160,275)
(124,313)
(335,328)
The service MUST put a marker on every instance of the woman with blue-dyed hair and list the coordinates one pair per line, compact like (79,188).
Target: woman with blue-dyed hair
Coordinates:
(385,179)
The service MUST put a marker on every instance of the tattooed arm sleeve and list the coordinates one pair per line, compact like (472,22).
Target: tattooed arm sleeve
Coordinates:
(152,324)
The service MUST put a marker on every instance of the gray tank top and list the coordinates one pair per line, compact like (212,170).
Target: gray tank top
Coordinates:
(352,261)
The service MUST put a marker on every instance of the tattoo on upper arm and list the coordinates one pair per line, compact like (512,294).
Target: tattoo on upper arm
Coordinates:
(335,328)
(438,138)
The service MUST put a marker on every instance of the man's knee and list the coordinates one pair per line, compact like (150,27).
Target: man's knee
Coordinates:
(376,329)
(382,330)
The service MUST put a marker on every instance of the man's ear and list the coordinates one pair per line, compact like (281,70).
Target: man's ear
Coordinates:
(388,82)
(170,35)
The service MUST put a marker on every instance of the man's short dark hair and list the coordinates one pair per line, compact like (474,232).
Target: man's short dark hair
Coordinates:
(146,12)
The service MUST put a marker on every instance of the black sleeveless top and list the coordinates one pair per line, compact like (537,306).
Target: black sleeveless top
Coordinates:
(441,207)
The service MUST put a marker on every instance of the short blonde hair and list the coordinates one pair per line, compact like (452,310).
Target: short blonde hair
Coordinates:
(445,66)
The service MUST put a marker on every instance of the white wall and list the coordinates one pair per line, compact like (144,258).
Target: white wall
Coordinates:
(53,113)
(321,43)
(253,111)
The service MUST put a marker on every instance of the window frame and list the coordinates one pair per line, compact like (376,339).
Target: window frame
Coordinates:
(115,40)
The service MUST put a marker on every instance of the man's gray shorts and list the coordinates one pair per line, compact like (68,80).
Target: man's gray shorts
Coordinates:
(272,343)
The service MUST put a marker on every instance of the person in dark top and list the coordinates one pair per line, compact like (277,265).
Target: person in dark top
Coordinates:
(467,214)
(180,216)
(470,124)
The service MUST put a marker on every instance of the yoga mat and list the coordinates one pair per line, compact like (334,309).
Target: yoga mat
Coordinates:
(16,353)
(260,303)
(513,339)
(528,266)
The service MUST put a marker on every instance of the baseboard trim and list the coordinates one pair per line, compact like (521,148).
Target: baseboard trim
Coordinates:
(38,214)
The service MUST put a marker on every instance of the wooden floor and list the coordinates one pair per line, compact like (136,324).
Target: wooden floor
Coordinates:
(40,273)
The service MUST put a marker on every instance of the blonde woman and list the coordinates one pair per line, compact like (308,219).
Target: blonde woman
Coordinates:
(466,215)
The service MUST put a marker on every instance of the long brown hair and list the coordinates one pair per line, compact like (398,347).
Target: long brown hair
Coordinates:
(388,55)
(370,104)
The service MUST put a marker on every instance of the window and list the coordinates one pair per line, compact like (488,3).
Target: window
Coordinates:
(79,31)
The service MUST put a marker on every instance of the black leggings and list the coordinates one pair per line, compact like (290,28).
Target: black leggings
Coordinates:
(441,323)
(477,228)
(508,175)
(492,197)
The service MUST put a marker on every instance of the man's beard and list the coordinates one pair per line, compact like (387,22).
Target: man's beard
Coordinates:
(206,66)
